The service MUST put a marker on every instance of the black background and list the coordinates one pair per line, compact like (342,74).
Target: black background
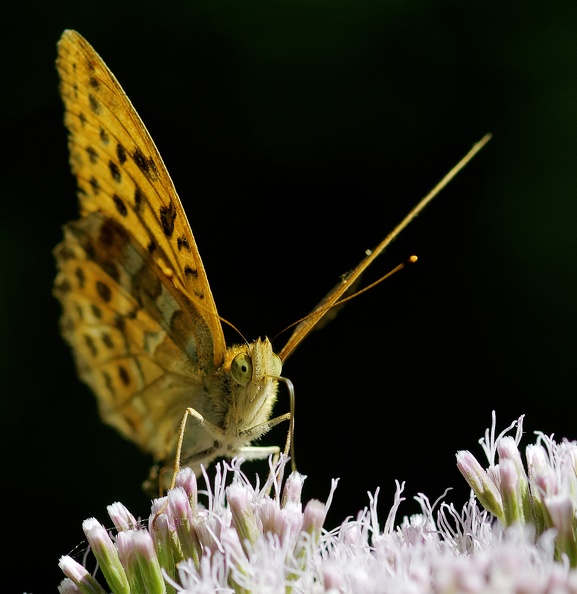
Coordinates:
(298,134)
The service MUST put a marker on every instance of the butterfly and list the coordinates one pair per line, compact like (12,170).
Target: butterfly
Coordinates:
(137,309)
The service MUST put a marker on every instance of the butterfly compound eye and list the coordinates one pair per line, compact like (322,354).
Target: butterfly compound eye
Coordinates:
(241,369)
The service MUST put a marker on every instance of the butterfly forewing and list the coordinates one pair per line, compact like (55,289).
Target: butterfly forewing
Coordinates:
(121,175)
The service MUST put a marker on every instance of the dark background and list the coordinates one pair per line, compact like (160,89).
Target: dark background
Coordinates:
(298,133)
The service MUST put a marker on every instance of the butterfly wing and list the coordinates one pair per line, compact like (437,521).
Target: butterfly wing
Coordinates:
(137,307)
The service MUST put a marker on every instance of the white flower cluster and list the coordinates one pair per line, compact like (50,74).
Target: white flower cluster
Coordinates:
(252,539)
(543,497)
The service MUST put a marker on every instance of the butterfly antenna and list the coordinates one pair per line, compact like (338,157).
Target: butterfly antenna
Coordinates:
(322,309)
(223,320)
(305,326)
(231,325)
(410,260)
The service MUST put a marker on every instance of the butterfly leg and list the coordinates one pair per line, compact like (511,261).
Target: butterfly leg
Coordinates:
(214,430)
(251,452)
(262,428)
(210,427)
(218,432)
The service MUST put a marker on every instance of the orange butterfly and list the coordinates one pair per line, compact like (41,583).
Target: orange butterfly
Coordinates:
(137,308)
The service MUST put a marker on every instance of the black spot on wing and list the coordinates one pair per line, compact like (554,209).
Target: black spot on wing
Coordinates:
(120,206)
(107,341)
(80,277)
(104,137)
(103,291)
(146,165)
(114,171)
(90,344)
(90,64)
(94,185)
(119,323)
(124,376)
(182,243)
(138,198)
(121,154)
(167,217)
(94,104)
(92,154)
(111,269)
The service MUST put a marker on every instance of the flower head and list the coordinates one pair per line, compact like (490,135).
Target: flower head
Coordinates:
(247,538)
(543,497)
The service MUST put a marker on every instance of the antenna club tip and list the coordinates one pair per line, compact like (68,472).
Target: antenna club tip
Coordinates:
(412,259)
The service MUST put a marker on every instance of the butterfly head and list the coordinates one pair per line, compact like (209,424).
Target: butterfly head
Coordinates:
(255,362)
(254,370)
